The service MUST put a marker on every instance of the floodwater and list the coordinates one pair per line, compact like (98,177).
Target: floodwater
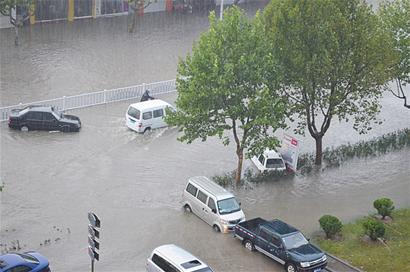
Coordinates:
(134,182)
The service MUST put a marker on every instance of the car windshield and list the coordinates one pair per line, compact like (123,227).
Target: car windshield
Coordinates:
(229,205)
(28,258)
(295,240)
(274,163)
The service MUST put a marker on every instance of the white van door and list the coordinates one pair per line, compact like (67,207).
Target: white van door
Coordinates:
(201,206)
(211,214)
(147,119)
(158,118)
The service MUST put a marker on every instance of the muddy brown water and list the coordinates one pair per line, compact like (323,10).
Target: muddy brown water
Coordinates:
(134,182)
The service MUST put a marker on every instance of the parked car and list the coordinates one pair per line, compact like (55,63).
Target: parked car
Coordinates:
(281,242)
(147,115)
(43,118)
(212,203)
(24,262)
(171,258)
(270,160)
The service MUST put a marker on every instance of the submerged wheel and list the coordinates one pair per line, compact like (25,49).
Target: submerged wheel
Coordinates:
(187,208)
(249,245)
(147,129)
(216,228)
(65,129)
(290,267)
(24,128)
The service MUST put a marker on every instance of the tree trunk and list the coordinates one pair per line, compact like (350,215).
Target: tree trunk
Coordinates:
(318,159)
(16,37)
(239,153)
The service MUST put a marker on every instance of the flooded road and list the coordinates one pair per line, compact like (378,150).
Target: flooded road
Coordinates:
(134,182)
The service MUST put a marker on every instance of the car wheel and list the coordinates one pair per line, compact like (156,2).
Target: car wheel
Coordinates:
(216,228)
(249,245)
(24,128)
(147,129)
(65,129)
(290,267)
(187,208)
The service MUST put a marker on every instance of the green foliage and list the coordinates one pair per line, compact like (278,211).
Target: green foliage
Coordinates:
(374,228)
(334,157)
(370,256)
(384,206)
(223,87)
(395,18)
(330,224)
(7,5)
(334,58)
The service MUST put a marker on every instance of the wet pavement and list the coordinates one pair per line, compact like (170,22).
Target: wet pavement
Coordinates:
(134,182)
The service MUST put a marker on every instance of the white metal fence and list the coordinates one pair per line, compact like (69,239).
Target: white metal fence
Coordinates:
(97,98)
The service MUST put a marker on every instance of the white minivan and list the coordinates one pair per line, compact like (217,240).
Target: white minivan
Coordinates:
(147,115)
(171,258)
(212,203)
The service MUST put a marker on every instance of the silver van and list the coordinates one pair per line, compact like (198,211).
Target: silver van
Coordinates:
(171,258)
(212,203)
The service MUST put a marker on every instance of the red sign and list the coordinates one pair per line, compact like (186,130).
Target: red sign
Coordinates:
(294,142)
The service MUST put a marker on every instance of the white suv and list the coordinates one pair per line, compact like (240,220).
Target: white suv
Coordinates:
(170,258)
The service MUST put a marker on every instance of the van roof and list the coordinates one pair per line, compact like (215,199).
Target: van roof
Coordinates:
(149,104)
(177,255)
(211,187)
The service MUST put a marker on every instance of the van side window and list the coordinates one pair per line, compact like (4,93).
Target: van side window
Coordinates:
(191,189)
(158,113)
(163,264)
(147,115)
(202,197)
(211,204)
(262,159)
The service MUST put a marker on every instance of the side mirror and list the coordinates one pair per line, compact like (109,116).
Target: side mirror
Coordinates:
(308,239)
(214,210)
(240,203)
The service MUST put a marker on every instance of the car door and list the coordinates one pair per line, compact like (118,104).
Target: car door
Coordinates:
(158,119)
(34,120)
(267,246)
(202,200)
(210,211)
(50,121)
(278,249)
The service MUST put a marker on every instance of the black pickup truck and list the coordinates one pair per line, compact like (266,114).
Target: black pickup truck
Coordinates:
(281,242)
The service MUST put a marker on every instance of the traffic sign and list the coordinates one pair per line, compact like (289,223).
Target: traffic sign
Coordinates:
(93,254)
(93,232)
(93,243)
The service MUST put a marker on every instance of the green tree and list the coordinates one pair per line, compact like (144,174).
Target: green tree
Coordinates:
(331,225)
(395,17)
(333,55)
(18,11)
(384,206)
(223,87)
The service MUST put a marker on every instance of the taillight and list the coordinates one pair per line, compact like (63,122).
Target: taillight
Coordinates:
(140,125)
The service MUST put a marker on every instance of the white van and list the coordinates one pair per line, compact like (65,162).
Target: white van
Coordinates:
(212,203)
(270,160)
(171,258)
(147,115)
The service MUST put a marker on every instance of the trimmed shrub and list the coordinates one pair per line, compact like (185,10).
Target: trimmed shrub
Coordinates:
(374,229)
(330,225)
(384,206)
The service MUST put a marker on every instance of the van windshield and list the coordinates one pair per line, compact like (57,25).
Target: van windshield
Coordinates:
(229,205)
(133,112)
(274,163)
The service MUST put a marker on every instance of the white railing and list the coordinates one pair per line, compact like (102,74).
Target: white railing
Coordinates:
(97,98)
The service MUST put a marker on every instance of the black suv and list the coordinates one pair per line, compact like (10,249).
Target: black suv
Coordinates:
(281,242)
(43,118)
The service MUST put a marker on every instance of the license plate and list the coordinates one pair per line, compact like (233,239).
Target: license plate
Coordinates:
(317,270)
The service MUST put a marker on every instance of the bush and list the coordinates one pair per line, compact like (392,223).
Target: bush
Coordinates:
(374,229)
(330,225)
(384,206)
